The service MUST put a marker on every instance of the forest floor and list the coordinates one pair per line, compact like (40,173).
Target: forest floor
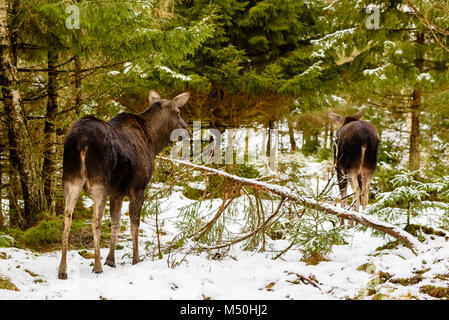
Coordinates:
(360,269)
(357,270)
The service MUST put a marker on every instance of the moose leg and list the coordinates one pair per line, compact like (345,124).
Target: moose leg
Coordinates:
(135,207)
(72,191)
(367,176)
(353,177)
(99,196)
(116,207)
(342,185)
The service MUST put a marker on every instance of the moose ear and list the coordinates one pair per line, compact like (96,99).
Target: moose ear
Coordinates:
(335,117)
(152,97)
(359,114)
(180,100)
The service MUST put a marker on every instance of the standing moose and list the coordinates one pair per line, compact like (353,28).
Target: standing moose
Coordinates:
(115,159)
(355,155)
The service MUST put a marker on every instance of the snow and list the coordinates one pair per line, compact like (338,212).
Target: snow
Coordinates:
(330,40)
(239,275)
(173,73)
(424,77)
(184,274)
(242,275)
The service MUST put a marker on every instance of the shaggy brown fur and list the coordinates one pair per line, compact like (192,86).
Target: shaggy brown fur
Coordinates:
(355,155)
(115,159)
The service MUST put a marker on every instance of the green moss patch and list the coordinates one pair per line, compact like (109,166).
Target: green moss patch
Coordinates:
(6,284)
(86,254)
(407,281)
(4,256)
(6,240)
(436,292)
(313,258)
(389,246)
(442,276)
(418,231)
(366,266)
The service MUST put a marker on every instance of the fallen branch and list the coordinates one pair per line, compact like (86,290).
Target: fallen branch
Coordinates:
(286,194)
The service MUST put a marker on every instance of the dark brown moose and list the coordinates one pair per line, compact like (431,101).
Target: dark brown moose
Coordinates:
(115,159)
(355,156)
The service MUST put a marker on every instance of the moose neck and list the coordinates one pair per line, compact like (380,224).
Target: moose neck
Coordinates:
(157,129)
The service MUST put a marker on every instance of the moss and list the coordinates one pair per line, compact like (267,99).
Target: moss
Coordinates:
(407,281)
(4,256)
(86,254)
(421,272)
(364,267)
(313,258)
(6,241)
(277,231)
(6,284)
(192,193)
(389,246)
(442,276)
(436,292)
(417,231)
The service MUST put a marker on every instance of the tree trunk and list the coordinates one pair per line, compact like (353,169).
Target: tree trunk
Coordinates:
(270,127)
(2,218)
(291,134)
(413,163)
(49,166)
(13,191)
(18,137)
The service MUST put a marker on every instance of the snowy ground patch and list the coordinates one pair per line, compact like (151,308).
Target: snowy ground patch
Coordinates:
(239,275)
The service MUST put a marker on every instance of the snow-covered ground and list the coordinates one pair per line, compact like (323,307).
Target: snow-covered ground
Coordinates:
(239,275)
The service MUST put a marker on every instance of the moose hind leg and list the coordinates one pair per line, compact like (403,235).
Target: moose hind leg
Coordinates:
(99,196)
(116,207)
(343,186)
(135,207)
(354,178)
(72,191)
(367,176)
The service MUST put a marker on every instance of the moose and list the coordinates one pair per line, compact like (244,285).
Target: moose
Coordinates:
(355,156)
(115,159)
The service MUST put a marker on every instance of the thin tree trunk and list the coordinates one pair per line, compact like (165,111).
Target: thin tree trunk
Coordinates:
(291,134)
(13,191)
(49,166)
(326,134)
(414,156)
(2,218)
(270,127)
(18,138)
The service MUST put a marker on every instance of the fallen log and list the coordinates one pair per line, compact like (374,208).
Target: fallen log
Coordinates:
(368,221)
